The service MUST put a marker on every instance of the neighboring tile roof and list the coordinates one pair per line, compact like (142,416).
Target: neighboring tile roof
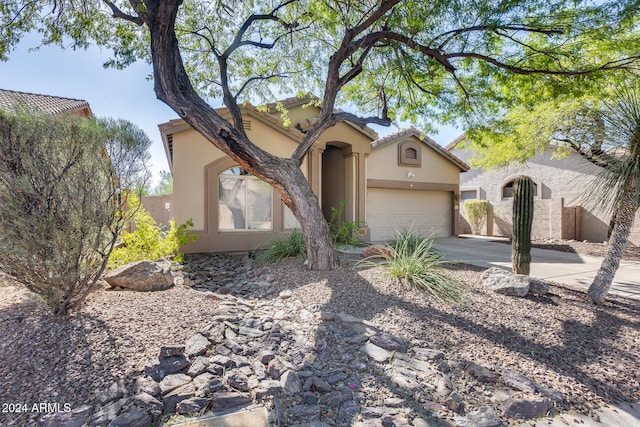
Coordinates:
(425,139)
(46,103)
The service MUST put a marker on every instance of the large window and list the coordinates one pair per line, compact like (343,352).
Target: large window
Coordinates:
(244,202)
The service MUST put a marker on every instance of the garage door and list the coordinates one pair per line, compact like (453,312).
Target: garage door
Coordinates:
(393,209)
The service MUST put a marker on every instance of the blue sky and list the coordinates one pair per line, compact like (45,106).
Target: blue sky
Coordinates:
(123,94)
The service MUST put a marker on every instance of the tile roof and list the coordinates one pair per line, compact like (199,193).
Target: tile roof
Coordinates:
(411,131)
(46,103)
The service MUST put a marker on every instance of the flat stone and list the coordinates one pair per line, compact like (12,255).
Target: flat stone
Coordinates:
(172,382)
(134,417)
(481,373)
(348,412)
(484,416)
(78,417)
(335,398)
(303,413)
(394,402)
(525,409)
(427,354)
(166,366)
(108,412)
(226,400)
(552,394)
(149,403)
(224,361)
(147,385)
(276,369)
(266,356)
(197,345)
(237,380)
(192,406)
(401,360)
(268,388)
(114,392)
(388,342)
(252,416)
(290,383)
(250,332)
(405,382)
(198,366)
(378,354)
(518,381)
(172,399)
(171,350)
(201,382)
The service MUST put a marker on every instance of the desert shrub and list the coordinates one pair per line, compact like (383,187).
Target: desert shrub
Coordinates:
(476,214)
(343,232)
(61,201)
(148,241)
(414,261)
(281,247)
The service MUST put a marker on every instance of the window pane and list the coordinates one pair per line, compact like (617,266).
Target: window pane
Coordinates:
(258,205)
(290,220)
(468,194)
(231,204)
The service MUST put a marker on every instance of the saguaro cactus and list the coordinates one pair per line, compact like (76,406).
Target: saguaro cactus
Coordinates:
(522,219)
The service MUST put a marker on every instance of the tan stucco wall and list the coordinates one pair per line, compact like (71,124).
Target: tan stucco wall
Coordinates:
(383,164)
(192,153)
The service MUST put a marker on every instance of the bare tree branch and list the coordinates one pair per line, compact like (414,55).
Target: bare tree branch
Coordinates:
(117,13)
(450,35)
(257,78)
(344,116)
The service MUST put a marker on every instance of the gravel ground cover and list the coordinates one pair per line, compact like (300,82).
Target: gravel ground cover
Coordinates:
(589,354)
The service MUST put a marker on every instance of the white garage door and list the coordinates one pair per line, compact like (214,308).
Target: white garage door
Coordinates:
(427,212)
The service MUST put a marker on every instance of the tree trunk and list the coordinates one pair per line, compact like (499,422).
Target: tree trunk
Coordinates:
(305,206)
(173,87)
(619,237)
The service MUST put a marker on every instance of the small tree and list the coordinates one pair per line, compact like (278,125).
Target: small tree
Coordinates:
(476,214)
(61,181)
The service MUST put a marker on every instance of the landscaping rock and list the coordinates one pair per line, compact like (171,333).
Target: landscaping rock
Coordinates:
(378,250)
(107,413)
(171,350)
(525,409)
(198,366)
(141,276)
(375,352)
(388,342)
(134,417)
(538,287)
(172,382)
(78,417)
(508,284)
(481,373)
(226,400)
(483,417)
(196,345)
(146,385)
(192,406)
(304,413)
(149,403)
(114,392)
(518,382)
(290,383)
(172,399)
(166,366)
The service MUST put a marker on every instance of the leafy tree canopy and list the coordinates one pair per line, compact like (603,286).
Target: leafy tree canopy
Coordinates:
(420,60)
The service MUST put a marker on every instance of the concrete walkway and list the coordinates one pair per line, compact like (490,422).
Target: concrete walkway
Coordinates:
(560,267)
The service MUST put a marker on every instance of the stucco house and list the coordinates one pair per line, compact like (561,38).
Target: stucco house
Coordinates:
(401,180)
(54,105)
(560,208)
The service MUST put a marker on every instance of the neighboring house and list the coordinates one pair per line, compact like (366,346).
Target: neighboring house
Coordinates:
(560,208)
(402,180)
(54,105)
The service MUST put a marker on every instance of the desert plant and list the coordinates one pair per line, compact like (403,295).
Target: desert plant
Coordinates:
(522,221)
(61,199)
(148,241)
(476,214)
(281,247)
(416,262)
(343,232)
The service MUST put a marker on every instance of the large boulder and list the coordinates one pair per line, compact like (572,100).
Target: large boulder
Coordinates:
(141,276)
(519,285)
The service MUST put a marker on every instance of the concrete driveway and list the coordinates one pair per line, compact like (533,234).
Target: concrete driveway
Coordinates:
(561,267)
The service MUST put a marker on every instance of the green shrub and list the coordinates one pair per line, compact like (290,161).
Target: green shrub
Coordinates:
(148,241)
(416,262)
(476,214)
(282,247)
(343,232)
